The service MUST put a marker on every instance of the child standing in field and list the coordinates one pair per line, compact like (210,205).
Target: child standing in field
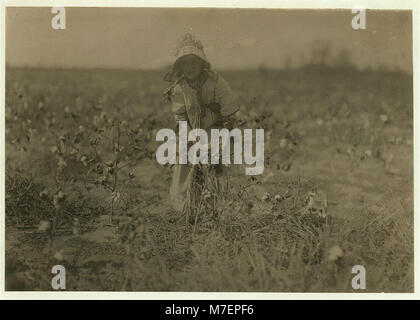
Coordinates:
(202,98)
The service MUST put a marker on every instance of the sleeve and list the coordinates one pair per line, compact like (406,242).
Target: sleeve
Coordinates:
(178,104)
(226,97)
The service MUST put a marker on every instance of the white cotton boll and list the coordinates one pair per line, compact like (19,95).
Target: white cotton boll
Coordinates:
(283,143)
(265,196)
(59,255)
(384,118)
(334,253)
(44,225)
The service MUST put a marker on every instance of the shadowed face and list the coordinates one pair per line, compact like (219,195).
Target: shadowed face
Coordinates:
(191,66)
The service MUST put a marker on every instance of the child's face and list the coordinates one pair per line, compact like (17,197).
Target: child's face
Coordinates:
(191,66)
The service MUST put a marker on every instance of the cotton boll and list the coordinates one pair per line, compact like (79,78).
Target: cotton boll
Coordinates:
(334,253)
(265,196)
(44,225)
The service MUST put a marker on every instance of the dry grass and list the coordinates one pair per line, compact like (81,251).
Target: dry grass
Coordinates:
(325,139)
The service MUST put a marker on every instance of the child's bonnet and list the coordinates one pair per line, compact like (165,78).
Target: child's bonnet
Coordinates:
(192,100)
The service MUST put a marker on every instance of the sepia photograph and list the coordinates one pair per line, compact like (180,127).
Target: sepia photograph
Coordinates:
(209,150)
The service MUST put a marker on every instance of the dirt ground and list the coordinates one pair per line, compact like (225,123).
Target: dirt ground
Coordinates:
(354,153)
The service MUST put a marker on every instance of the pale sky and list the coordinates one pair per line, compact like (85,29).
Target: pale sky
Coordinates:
(143,38)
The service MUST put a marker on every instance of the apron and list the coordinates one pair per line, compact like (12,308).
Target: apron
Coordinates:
(199,116)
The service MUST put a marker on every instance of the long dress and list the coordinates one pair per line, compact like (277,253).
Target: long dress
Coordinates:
(190,103)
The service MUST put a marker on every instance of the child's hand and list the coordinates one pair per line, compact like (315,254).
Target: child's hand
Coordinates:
(228,122)
(214,107)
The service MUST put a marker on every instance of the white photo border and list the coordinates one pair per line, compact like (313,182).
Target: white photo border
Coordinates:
(412,5)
